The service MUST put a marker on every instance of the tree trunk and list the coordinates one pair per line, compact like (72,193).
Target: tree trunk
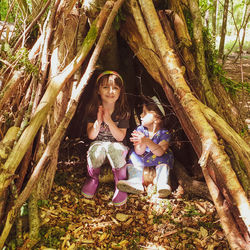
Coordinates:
(223,29)
(63,52)
(163,47)
(214,18)
(55,141)
(172,74)
(54,86)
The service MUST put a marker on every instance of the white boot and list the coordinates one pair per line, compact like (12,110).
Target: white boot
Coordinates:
(162,179)
(134,183)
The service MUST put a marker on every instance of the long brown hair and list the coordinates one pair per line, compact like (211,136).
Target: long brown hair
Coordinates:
(121,106)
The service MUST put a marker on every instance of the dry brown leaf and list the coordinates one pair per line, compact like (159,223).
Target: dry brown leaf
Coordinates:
(128,222)
(122,217)
(87,201)
(103,236)
(115,221)
(88,241)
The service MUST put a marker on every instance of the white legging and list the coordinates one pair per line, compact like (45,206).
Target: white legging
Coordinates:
(115,152)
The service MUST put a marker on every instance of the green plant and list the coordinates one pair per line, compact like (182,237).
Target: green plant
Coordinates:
(43,203)
(51,236)
(20,59)
(118,19)
(190,211)
(24,209)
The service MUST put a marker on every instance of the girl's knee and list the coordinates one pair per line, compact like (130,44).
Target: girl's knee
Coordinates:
(117,155)
(96,156)
(118,149)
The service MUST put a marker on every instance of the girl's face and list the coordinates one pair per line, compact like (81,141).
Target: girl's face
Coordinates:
(148,118)
(109,92)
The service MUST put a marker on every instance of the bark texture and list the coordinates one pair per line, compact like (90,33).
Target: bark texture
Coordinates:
(162,44)
(210,149)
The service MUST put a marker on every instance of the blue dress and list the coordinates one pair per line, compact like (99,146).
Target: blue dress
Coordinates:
(148,158)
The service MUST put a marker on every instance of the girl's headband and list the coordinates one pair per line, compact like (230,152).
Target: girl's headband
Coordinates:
(109,72)
(157,102)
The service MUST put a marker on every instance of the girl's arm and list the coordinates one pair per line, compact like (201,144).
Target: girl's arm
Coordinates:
(156,149)
(139,146)
(94,128)
(141,142)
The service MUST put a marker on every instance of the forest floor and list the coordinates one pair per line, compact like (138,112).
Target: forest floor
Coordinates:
(70,221)
(145,222)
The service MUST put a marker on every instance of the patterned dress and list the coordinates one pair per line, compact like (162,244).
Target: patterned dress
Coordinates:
(148,158)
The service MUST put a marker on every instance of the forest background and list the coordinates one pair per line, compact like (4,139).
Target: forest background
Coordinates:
(226,38)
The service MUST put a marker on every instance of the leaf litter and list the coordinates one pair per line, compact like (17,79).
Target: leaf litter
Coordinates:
(70,221)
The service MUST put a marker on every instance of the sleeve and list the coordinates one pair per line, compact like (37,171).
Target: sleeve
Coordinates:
(91,119)
(164,136)
(123,124)
(140,129)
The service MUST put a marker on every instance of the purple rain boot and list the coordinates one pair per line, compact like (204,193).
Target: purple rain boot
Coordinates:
(91,184)
(119,197)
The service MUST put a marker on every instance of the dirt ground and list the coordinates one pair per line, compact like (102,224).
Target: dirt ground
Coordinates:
(146,222)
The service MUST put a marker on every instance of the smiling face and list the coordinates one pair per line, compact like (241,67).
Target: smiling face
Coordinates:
(109,91)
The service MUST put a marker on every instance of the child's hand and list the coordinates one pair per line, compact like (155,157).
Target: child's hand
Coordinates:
(137,137)
(106,117)
(100,114)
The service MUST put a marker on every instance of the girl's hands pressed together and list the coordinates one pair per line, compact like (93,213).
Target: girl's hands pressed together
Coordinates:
(137,137)
(107,117)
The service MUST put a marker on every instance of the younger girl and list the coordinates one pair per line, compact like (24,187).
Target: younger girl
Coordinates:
(151,148)
(108,120)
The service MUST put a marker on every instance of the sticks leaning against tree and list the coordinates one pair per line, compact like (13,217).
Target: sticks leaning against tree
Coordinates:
(56,138)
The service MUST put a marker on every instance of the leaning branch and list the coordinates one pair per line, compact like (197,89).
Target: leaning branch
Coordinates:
(192,108)
(60,131)
(229,135)
(31,25)
(54,87)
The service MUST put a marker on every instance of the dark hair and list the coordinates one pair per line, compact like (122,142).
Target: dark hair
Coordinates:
(152,106)
(121,106)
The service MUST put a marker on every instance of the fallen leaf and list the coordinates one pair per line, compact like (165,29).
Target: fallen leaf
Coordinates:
(87,201)
(122,217)
(103,236)
(128,222)
(88,241)
(203,232)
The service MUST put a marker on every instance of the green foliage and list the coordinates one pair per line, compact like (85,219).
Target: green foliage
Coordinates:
(3,9)
(118,19)
(24,209)
(204,6)
(214,69)
(232,86)
(229,45)
(209,225)
(191,211)
(51,236)
(211,54)
(20,59)
(43,203)
(189,22)
(244,130)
